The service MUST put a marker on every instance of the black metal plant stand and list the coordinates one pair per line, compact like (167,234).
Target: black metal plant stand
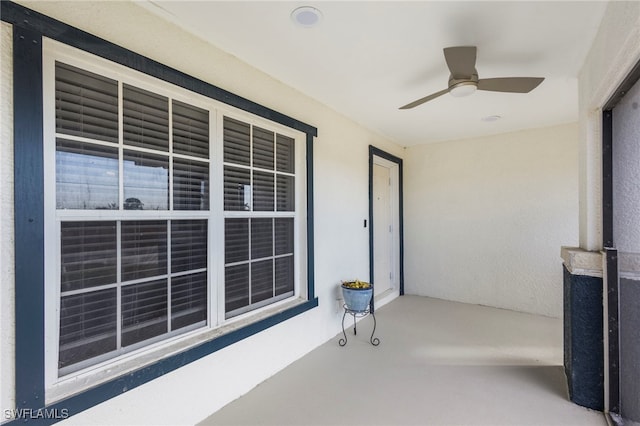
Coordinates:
(358,314)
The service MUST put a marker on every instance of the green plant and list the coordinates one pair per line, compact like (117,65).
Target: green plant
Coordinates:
(356,284)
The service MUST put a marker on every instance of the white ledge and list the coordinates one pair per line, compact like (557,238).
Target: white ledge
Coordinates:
(582,262)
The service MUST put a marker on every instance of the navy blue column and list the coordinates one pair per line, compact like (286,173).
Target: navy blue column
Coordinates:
(29,217)
(583,339)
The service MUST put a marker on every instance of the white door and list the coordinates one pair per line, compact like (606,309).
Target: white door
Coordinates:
(383,229)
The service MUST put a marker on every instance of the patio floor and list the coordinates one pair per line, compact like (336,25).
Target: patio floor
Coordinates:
(438,363)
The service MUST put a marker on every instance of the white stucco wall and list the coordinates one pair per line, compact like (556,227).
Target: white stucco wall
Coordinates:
(193,392)
(488,215)
(613,54)
(7,330)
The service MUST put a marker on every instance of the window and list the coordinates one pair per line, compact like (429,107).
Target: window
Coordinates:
(172,214)
(126,282)
(259,178)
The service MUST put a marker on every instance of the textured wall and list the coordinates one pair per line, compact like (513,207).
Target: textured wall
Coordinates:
(487,218)
(7,344)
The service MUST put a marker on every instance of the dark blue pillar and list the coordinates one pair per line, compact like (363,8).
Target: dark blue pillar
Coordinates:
(583,339)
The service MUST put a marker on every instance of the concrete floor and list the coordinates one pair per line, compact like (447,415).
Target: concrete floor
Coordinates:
(438,363)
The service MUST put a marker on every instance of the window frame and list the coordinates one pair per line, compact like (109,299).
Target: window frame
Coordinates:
(61,384)
(295,214)
(29,29)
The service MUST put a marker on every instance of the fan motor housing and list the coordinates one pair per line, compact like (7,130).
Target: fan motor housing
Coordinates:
(453,81)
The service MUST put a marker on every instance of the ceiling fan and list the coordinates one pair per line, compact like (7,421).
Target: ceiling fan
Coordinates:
(463,80)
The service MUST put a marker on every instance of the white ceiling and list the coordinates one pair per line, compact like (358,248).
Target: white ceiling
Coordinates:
(365,59)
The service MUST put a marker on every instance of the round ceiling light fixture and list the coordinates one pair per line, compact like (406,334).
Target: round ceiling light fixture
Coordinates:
(306,16)
(463,89)
(491,118)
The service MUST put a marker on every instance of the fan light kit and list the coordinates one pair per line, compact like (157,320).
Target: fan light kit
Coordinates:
(463,89)
(463,80)
(306,16)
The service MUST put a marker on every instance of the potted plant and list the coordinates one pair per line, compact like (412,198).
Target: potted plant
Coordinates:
(357,295)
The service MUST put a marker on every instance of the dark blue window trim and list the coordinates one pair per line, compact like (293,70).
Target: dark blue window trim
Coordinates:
(376,152)
(310,223)
(29,217)
(28,29)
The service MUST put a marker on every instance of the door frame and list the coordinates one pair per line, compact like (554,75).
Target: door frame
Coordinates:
(376,152)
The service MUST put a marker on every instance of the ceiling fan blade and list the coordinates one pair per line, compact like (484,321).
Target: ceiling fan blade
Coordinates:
(510,84)
(461,61)
(425,99)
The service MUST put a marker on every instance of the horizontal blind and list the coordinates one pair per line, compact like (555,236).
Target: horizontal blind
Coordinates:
(263,191)
(284,275)
(144,311)
(86,176)
(190,185)
(236,135)
(237,189)
(144,249)
(261,280)
(88,326)
(188,300)
(236,287)
(86,104)
(263,147)
(145,119)
(146,181)
(285,193)
(88,255)
(190,130)
(188,245)
(236,240)
(261,238)
(285,157)
(284,235)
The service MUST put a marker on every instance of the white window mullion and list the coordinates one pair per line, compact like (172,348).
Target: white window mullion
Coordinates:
(170,155)
(119,222)
(216,231)
(170,210)
(275,189)
(119,285)
(251,204)
(250,260)
(273,259)
(120,149)
(169,275)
